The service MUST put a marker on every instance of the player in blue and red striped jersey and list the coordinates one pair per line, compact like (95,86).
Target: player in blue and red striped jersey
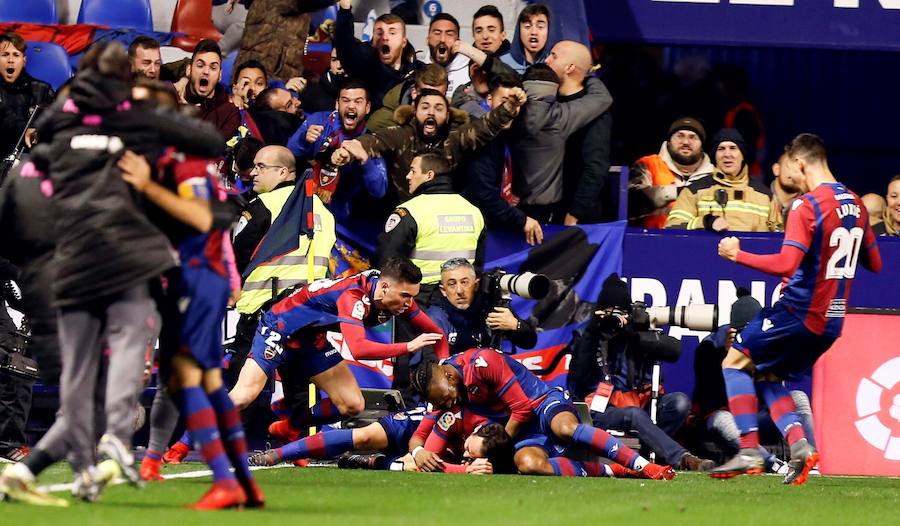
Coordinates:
(826,235)
(193,306)
(296,328)
(542,419)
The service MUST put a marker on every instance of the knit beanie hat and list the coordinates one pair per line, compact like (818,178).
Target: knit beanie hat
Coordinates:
(744,309)
(728,135)
(614,293)
(688,123)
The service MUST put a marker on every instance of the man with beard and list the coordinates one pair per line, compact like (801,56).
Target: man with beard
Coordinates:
(321,134)
(381,64)
(276,115)
(19,93)
(443,32)
(145,57)
(429,76)
(656,180)
(202,89)
(426,129)
(784,190)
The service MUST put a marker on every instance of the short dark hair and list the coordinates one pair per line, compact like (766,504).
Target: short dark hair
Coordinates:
(540,72)
(432,162)
(505,80)
(420,377)
(498,448)
(808,146)
(245,152)
(428,92)
(488,10)
(354,84)
(248,64)
(431,74)
(531,11)
(444,16)
(263,100)
(207,45)
(109,59)
(15,39)
(401,269)
(143,42)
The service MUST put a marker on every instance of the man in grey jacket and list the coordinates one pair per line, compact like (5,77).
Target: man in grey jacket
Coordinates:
(541,131)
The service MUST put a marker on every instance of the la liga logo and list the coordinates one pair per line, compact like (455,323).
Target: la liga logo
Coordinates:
(878,409)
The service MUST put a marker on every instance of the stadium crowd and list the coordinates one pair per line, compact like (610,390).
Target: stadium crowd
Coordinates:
(146,198)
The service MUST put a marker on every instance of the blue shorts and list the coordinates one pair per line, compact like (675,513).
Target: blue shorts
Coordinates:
(399,428)
(270,350)
(205,294)
(779,343)
(538,433)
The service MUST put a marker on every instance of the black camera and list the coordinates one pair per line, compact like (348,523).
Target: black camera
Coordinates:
(14,362)
(640,325)
(497,286)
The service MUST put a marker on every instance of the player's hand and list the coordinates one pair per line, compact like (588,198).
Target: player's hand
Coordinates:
(729,248)
(356,149)
(423,340)
(297,84)
(428,461)
(234,297)
(480,466)
(534,234)
(313,132)
(502,319)
(720,224)
(135,170)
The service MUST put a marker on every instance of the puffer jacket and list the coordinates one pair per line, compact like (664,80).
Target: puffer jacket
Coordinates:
(104,242)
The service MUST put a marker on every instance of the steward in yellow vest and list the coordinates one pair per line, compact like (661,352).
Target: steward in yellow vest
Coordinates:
(435,225)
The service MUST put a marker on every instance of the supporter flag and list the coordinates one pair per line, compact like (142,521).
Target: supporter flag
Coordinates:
(295,219)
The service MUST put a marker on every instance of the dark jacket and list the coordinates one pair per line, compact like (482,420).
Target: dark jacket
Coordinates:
(322,95)
(400,144)
(485,169)
(466,329)
(254,222)
(586,169)
(361,61)
(16,101)
(217,110)
(105,242)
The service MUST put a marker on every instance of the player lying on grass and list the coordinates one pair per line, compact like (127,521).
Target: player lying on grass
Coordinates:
(484,449)
(295,329)
(541,419)
(826,234)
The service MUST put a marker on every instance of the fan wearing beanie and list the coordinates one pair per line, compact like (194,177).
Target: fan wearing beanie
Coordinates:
(729,200)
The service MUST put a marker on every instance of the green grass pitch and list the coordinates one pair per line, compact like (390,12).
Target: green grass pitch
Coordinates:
(325,496)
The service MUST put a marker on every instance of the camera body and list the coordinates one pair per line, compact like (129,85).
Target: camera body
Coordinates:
(498,286)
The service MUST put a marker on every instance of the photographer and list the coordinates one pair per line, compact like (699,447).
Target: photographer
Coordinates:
(615,356)
(469,318)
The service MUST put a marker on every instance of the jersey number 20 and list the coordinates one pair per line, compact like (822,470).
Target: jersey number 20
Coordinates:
(842,263)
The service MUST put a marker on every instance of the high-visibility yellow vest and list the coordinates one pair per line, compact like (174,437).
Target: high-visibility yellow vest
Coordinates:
(270,279)
(448,227)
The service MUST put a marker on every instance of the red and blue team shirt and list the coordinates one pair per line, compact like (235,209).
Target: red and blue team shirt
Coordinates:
(345,304)
(831,226)
(498,386)
(192,177)
(445,432)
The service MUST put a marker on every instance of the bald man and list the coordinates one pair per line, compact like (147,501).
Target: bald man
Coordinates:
(557,180)
(274,170)
(874,204)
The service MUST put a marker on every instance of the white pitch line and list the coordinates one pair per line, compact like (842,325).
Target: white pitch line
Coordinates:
(54,488)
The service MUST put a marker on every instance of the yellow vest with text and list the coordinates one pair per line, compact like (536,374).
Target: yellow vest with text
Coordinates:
(292,268)
(448,227)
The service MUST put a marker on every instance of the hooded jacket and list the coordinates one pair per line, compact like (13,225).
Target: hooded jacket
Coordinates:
(515,58)
(105,243)
(539,137)
(400,144)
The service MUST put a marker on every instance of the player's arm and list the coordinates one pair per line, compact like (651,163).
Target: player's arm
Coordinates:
(352,311)
(493,369)
(425,325)
(871,256)
(798,233)
(190,206)
(425,458)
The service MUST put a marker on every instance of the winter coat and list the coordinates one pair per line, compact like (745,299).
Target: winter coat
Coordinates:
(105,243)
(16,101)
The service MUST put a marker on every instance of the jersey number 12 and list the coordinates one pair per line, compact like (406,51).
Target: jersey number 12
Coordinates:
(842,263)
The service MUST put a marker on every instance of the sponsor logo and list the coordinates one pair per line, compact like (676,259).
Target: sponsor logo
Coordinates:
(446,420)
(400,416)
(880,426)
(359,310)
(480,362)
(392,221)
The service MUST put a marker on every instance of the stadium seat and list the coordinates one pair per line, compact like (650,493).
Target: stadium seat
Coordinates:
(117,13)
(34,11)
(194,18)
(227,68)
(48,62)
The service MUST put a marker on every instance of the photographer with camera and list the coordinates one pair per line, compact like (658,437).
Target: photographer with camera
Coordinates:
(616,354)
(471,316)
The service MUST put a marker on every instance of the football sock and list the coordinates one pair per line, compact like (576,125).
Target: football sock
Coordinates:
(325,444)
(565,467)
(233,437)
(602,443)
(743,404)
(782,409)
(203,428)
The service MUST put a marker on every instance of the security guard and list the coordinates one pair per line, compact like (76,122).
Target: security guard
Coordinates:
(437,224)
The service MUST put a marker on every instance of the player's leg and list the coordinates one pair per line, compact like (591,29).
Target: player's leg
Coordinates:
(564,425)
(784,414)
(163,419)
(250,383)
(344,400)
(534,461)
(325,445)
